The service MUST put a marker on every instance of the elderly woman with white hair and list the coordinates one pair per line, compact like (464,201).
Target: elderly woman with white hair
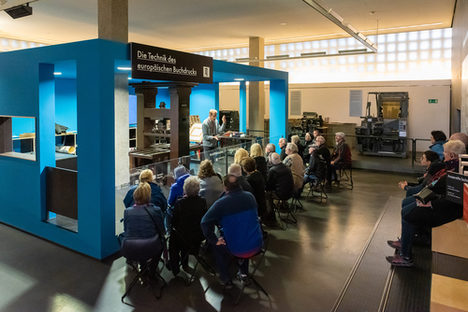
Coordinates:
(186,233)
(341,157)
(296,164)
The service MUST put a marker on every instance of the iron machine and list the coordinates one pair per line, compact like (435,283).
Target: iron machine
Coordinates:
(385,133)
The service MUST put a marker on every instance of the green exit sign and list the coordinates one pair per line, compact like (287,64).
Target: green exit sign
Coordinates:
(432,101)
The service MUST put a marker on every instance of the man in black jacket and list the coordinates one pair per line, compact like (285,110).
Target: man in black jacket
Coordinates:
(279,185)
(319,162)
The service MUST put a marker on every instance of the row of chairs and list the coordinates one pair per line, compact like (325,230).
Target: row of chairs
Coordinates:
(148,253)
(287,211)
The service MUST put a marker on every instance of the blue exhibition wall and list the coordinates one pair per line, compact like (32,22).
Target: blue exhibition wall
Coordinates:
(65,103)
(27,88)
(202,99)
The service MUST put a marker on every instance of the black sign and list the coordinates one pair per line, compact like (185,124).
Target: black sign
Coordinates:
(162,64)
(455,183)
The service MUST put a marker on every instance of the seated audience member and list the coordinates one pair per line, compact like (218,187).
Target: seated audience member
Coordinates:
(315,134)
(300,148)
(257,154)
(256,181)
(282,144)
(211,185)
(431,161)
(295,163)
(341,157)
(235,214)
(307,143)
(436,212)
(143,219)
(308,140)
(236,170)
(157,197)
(462,137)
(239,155)
(186,234)
(319,161)
(270,148)
(436,168)
(438,139)
(177,189)
(279,185)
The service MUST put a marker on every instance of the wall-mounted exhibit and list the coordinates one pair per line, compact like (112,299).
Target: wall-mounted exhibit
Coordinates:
(84,86)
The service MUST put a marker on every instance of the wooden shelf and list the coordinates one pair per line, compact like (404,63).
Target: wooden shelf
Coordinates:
(157,113)
(158,135)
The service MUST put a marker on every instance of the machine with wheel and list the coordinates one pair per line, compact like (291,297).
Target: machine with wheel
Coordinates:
(385,133)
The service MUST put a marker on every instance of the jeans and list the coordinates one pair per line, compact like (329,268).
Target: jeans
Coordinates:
(407,205)
(407,235)
(310,178)
(411,190)
(223,258)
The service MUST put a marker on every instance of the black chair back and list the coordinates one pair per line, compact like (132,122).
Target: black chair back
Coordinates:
(142,249)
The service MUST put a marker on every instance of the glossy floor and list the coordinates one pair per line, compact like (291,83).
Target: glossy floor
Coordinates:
(305,268)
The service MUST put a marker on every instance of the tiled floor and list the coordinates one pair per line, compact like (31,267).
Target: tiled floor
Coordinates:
(304,270)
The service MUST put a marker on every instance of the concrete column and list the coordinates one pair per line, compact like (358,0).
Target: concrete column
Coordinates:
(256,88)
(113,20)
(122,169)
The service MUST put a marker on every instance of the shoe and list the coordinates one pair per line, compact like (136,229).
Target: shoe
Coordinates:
(400,261)
(395,244)
(227,285)
(243,278)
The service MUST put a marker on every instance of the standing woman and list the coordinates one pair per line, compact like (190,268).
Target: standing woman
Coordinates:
(256,153)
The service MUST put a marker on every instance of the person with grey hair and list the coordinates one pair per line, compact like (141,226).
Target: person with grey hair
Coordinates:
(319,161)
(185,232)
(279,185)
(300,148)
(211,131)
(296,164)
(462,137)
(340,159)
(269,148)
(236,170)
(282,144)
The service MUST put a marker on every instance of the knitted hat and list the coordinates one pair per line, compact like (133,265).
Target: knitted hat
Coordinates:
(180,171)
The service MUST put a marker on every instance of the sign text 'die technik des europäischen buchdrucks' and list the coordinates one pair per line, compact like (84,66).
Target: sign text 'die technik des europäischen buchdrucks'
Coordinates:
(170,68)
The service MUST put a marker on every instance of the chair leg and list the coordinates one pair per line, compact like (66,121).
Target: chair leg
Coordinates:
(252,278)
(132,284)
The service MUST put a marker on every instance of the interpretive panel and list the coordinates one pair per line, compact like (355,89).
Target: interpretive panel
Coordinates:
(155,63)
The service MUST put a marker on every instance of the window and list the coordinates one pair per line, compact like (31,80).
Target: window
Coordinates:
(18,137)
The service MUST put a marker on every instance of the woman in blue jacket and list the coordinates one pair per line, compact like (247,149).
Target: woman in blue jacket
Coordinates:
(438,139)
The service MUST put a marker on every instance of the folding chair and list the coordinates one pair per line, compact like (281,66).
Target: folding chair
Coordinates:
(147,252)
(285,211)
(195,252)
(251,274)
(346,174)
(296,200)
